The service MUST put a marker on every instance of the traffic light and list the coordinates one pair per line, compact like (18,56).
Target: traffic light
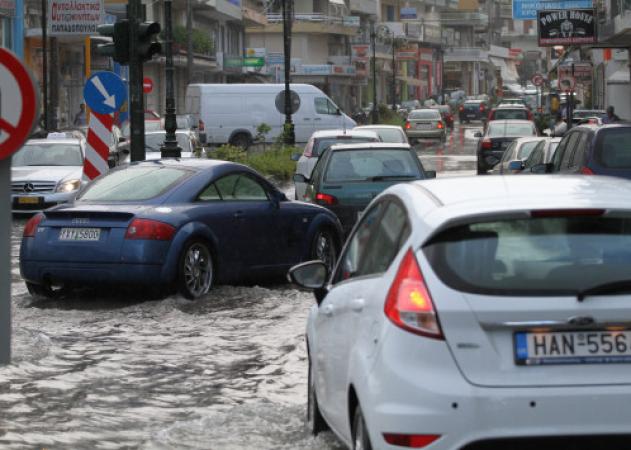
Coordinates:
(118,50)
(147,44)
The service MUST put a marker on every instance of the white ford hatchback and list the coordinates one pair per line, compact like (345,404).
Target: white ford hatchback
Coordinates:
(478,313)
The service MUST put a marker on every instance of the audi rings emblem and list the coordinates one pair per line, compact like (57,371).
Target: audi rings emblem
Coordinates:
(28,187)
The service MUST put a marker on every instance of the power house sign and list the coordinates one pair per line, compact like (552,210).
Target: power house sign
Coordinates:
(566,27)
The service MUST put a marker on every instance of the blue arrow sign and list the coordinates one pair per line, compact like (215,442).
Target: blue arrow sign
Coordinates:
(105,92)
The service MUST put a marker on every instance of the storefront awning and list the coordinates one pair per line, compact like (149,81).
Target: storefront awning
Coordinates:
(508,68)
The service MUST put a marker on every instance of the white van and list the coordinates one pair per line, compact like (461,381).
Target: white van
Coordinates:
(230,113)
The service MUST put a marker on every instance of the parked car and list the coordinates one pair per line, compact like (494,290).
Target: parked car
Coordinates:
(387,133)
(541,154)
(230,113)
(592,150)
(186,139)
(472,110)
(425,123)
(510,112)
(317,144)
(497,137)
(446,114)
(347,177)
(578,115)
(458,305)
(410,105)
(516,152)
(174,224)
(513,101)
(47,172)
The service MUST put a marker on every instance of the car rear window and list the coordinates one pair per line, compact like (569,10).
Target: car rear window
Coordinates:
(322,144)
(535,256)
(425,114)
(613,148)
(391,135)
(511,129)
(48,155)
(133,184)
(370,165)
(510,114)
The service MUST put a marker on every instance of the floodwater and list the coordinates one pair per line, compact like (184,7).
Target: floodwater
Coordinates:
(101,370)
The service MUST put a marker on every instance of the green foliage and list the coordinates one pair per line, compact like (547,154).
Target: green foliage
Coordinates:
(202,42)
(275,162)
(389,117)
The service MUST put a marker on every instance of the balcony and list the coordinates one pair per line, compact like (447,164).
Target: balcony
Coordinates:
(314,23)
(616,31)
(464,18)
(253,14)
(364,6)
(465,54)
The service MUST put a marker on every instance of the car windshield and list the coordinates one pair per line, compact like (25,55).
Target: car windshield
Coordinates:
(511,129)
(154,141)
(322,144)
(390,135)
(48,155)
(425,114)
(535,256)
(613,149)
(507,114)
(526,149)
(371,164)
(134,183)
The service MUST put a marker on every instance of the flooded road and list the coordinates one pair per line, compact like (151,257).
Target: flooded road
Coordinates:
(105,370)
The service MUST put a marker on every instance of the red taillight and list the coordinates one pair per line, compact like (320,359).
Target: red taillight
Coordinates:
(201,126)
(31,226)
(587,171)
(410,440)
(530,117)
(461,108)
(150,230)
(325,199)
(407,125)
(409,304)
(566,212)
(482,108)
(487,144)
(439,125)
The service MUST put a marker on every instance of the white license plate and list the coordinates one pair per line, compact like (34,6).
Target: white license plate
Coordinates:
(79,234)
(470,116)
(423,125)
(573,347)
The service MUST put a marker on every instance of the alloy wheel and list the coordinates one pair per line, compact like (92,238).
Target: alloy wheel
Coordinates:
(197,270)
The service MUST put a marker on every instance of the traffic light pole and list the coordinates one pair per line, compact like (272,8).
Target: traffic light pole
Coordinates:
(290,136)
(169,149)
(136,103)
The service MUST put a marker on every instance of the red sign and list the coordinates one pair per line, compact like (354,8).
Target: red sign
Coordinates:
(18,104)
(147,85)
(537,79)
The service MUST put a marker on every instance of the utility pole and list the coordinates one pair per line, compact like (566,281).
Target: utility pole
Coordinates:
(394,76)
(44,5)
(53,122)
(373,43)
(136,100)
(290,136)
(189,40)
(169,149)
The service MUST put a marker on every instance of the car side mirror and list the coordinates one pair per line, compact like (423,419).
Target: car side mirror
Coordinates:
(311,275)
(295,156)
(338,112)
(542,168)
(430,174)
(516,166)
(477,134)
(300,178)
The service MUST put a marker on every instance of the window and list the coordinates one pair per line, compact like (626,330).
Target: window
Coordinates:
(525,150)
(581,148)
(425,114)
(324,106)
(558,155)
(322,144)
(536,156)
(367,165)
(390,13)
(613,148)
(570,148)
(48,155)
(209,194)
(226,186)
(240,187)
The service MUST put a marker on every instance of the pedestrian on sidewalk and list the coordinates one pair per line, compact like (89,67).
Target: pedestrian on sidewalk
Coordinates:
(80,118)
(611,117)
(560,127)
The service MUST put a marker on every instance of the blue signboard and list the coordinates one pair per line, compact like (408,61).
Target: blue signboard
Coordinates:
(104,92)
(407,13)
(527,9)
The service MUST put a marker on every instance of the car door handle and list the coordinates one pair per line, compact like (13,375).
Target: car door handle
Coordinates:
(358,304)
(238,215)
(317,118)
(306,118)
(327,310)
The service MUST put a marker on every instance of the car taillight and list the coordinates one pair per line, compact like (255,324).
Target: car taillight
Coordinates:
(530,117)
(325,199)
(150,230)
(201,126)
(461,108)
(487,144)
(31,226)
(587,171)
(407,125)
(410,440)
(439,125)
(481,108)
(409,304)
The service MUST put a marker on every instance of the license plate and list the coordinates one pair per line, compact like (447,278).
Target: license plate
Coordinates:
(470,116)
(29,200)
(573,347)
(423,125)
(79,234)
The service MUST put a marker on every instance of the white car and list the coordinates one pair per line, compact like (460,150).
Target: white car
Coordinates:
(47,172)
(517,151)
(317,143)
(479,312)
(392,134)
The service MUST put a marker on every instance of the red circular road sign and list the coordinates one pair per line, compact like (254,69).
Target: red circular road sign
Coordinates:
(537,79)
(18,103)
(147,85)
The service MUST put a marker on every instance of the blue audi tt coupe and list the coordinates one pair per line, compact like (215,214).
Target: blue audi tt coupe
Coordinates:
(180,225)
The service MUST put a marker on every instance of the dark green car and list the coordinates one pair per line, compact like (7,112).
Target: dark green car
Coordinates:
(347,177)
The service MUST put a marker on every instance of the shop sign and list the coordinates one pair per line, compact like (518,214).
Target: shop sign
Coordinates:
(254,52)
(527,9)
(275,59)
(314,69)
(566,27)
(74,17)
(7,8)
(361,69)
(582,73)
(253,62)
(350,21)
(407,54)
(426,54)
(360,52)
(407,13)
(343,70)
(232,63)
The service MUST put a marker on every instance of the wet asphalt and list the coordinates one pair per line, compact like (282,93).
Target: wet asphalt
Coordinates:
(117,370)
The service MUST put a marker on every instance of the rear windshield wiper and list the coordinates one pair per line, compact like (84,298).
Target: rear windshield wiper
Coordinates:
(610,288)
(392,177)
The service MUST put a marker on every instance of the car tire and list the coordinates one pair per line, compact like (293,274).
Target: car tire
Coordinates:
(361,440)
(196,270)
(315,421)
(43,291)
(241,140)
(323,247)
